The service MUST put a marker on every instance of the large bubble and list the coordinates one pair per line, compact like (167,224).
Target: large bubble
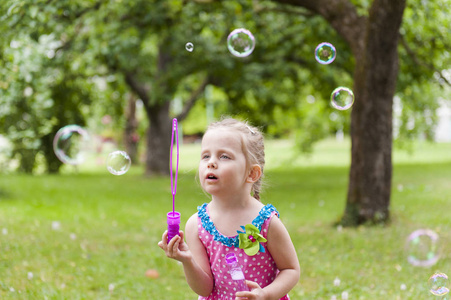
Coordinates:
(342,98)
(325,53)
(241,42)
(118,162)
(422,248)
(70,144)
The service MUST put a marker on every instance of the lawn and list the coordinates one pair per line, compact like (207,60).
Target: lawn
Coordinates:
(92,235)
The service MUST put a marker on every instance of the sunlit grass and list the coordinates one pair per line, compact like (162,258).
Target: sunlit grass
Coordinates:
(109,227)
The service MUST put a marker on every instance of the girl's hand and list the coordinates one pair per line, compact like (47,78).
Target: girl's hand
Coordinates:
(256,293)
(176,248)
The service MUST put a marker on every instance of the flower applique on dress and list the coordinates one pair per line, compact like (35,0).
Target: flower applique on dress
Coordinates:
(250,240)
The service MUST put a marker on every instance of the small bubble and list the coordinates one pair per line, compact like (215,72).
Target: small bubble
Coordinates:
(325,53)
(342,98)
(337,281)
(30,275)
(403,287)
(189,47)
(438,283)
(118,162)
(111,287)
(5,231)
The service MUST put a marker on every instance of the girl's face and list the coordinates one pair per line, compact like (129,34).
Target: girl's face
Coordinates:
(222,167)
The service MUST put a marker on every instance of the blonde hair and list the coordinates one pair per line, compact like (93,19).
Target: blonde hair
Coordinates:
(252,145)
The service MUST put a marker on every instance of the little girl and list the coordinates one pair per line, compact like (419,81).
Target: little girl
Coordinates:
(230,170)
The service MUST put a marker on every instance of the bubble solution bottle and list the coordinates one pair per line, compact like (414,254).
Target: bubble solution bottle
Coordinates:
(235,272)
(173,220)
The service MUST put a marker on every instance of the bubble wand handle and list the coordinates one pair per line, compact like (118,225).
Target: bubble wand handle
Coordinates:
(173,217)
(174,182)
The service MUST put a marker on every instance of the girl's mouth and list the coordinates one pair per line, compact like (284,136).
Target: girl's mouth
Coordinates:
(211,177)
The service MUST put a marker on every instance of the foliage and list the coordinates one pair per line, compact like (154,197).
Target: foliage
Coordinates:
(67,61)
(423,78)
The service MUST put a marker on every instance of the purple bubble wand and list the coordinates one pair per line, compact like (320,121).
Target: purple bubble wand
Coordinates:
(173,217)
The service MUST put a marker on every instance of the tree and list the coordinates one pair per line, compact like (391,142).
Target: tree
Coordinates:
(138,46)
(373,38)
(141,45)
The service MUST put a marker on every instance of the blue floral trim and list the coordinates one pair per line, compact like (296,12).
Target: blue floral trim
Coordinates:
(264,214)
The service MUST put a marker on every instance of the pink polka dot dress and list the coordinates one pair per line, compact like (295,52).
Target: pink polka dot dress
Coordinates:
(260,268)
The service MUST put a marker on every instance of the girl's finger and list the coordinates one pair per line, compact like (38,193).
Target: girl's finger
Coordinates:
(175,247)
(171,246)
(164,238)
(162,244)
(252,285)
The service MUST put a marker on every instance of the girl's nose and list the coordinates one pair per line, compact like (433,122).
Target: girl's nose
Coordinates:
(212,165)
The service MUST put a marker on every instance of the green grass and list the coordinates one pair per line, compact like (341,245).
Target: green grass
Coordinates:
(110,226)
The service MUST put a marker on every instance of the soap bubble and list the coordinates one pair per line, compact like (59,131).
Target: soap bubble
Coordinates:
(189,47)
(342,98)
(421,246)
(70,144)
(438,283)
(241,42)
(325,53)
(118,162)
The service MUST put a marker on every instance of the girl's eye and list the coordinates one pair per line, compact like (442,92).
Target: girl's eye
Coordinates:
(205,156)
(225,156)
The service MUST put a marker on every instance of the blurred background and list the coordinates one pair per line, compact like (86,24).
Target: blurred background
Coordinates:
(88,91)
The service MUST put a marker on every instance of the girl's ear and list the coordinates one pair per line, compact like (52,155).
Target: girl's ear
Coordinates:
(254,174)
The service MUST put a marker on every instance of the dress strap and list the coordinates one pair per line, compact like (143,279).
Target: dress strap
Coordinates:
(264,214)
(265,226)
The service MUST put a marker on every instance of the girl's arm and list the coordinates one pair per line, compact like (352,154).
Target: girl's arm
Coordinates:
(282,250)
(197,267)
(194,258)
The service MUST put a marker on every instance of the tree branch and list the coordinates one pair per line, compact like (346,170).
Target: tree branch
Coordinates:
(284,10)
(136,87)
(193,98)
(420,62)
(342,16)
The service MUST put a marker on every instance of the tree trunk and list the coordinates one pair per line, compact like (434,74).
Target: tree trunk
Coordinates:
(375,76)
(52,162)
(130,136)
(158,140)
(373,41)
